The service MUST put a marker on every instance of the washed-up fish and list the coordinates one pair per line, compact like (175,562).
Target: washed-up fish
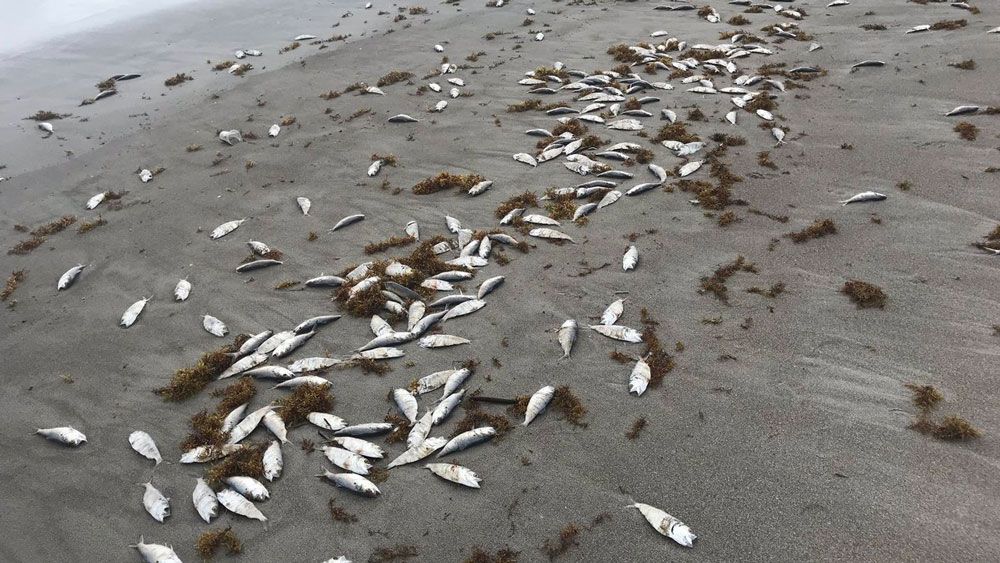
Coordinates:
(347,460)
(69,277)
(779,135)
(442,341)
(467,440)
(366,429)
(214,326)
(584,210)
(403,118)
(639,378)
(311,324)
(463,309)
(352,482)
(467,262)
(274,130)
(626,125)
(384,353)
(273,461)
(406,403)
(276,426)
(526,158)
(631,258)
(258,264)
(205,501)
(609,198)
(434,86)
(642,188)
(182,290)
(156,504)
(544,232)
(689,168)
(204,454)
(611,315)
(326,421)
(238,504)
(134,310)
(537,403)
(349,220)
(618,332)
(567,336)
(144,445)
(304,204)
(234,417)
(690,148)
(455,474)
(864,196)
(359,446)
(418,434)
(418,452)
(447,405)
(666,524)
(248,425)
(66,435)
(962,110)
(145,175)
(96,200)
(868,63)
(232,136)
(435,380)
(290,345)
(244,364)
(254,342)
(47,127)
(155,553)
(834,4)
(226,228)
(304,37)
(765,115)
(425,323)
(258,248)
(487,287)
(248,487)
(313,364)
(540,220)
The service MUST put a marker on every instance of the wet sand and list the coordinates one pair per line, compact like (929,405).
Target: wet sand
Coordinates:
(787,440)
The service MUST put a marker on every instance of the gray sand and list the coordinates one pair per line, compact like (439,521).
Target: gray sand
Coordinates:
(784,441)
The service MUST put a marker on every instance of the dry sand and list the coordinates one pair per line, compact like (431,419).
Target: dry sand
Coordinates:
(786,440)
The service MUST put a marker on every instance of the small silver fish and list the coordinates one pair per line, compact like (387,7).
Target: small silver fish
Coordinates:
(567,336)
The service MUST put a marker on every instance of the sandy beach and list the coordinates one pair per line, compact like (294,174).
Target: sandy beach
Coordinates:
(783,430)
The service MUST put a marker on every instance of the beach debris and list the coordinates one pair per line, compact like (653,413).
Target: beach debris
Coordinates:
(666,524)
(639,378)
(467,440)
(455,474)
(231,137)
(346,221)
(442,341)
(618,332)
(403,118)
(248,487)
(614,311)
(304,204)
(631,258)
(145,175)
(156,504)
(47,128)
(134,310)
(274,130)
(144,445)
(66,435)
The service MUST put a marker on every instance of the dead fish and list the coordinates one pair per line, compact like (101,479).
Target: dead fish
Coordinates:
(66,435)
(526,158)
(447,405)
(538,36)
(254,342)
(326,421)
(467,440)
(426,322)
(313,323)
(214,326)
(689,168)
(204,454)
(666,524)
(406,403)
(618,332)
(441,105)
(304,204)
(349,220)
(639,378)
(273,461)
(868,63)
(488,286)
(234,417)
(134,310)
(402,118)
(47,127)
(257,264)
(537,403)
(270,372)
(205,501)
(438,48)
(249,423)
(384,353)
(418,452)
(442,341)
(258,248)
(834,4)
(96,200)
(145,175)
(226,228)
(962,110)
(347,460)
(765,115)
(352,482)
(614,311)
(690,148)
(544,232)
(276,426)
(231,137)
(290,345)
(779,135)
(244,364)
(156,553)
(359,446)
(455,474)
(248,487)
(144,445)
(238,504)
(631,258)
(375,90)
(609,198)
(182,290)
(325,281)
(584,210)
(467,262)
(274,130)
(304,365)
(69,277)
(567,336)
(156,504)
(642,188)
(465,308)
(304,37)
(625,125)
(864,196)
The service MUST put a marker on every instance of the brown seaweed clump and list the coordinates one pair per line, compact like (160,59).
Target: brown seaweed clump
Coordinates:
(177,79)
(951,428)
(391,242)
(948,25)
(187,382)
(967,131)
(45,115)
(865,295)
(674,132)
(394,77)
(716,283)
(925,397)
(524,200)
(54,227)
(738,20)
(504,555)
(475,417)
(969,64)
(566,540)
(88,226)
(305,399)
(338,514)
(637,426)
(209,542)
(820,228)
(624,54)
(660,362)
(247,461)
(764,160)
(573,411)
(772,292)
(526,105)
(26,246)
(446,181)
(12,282)
(235,394)
(394,553)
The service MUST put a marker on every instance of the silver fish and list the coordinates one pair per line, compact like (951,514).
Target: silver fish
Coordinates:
(248,487)
(205,501)
(304,204)
(864,196)
(618,332)
(467,439)
(238,504)
(611,315)
(418,452)
(567,336)
(347,460)
(258,264)
(631,258)
(455,474)
(66,435)
(442,341)
(214,326)
(666,524)
(349,220)
(639,378)
(134,310)
(69,277)
(407,404)
(182,290)
(313,364)
(289,346)
(488,286)
(156,504)
(537,403)
(352,482)
(359,446)
(243,364)
(156,553)
(420,431)
(403,118)
(447,405)
(326,421)
(144,445)
(273,461)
